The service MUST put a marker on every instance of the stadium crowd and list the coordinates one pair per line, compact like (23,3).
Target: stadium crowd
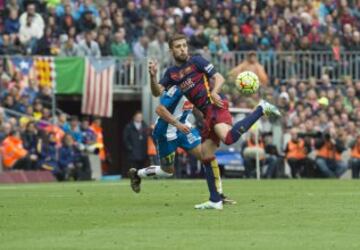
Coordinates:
(318,113)
(30,139)
(138,29)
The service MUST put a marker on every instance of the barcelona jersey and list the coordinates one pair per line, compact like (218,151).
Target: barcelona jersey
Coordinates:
(193,80)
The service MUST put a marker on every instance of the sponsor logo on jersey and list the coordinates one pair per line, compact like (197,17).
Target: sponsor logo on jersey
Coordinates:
(187,84)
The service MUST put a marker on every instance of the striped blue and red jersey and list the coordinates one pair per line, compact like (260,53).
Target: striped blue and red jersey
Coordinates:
(193,80)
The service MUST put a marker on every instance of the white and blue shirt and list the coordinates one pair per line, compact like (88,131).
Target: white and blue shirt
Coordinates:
(180,107)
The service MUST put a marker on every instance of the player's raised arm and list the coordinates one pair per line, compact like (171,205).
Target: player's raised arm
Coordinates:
(162,111)
(156,88)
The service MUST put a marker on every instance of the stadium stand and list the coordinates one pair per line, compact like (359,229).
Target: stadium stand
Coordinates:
(310,50)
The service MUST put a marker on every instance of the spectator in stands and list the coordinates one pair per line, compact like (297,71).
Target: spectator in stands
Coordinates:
(354,161)
(31,28)
(69,48)
(62,121)
(5,130)
(217,46)
(159,48)
(9,102)
(199,40)
(104,45)
(47,44)
(30,138)
(87,134)
(45,96)
(69,156)
(73,129)
(48,157)
(27,117)
(89,47)
(119,47)
(72,163)
(87,22)
(22,104)
(38,108)
(328,155)
(140,48)
(135,141)
(13,154)
(12,24)
(66,20)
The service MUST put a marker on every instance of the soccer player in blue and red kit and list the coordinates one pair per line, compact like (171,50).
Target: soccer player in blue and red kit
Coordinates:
(193,75)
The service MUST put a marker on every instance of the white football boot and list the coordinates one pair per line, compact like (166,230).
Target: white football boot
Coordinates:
(210,205)
(269,109)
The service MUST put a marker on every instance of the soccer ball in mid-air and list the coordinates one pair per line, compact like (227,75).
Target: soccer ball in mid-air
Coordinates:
(247,82)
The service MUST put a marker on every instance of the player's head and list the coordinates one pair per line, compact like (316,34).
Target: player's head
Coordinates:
(179,47)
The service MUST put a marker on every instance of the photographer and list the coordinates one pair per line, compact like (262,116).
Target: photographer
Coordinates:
(296,151)
(328,155)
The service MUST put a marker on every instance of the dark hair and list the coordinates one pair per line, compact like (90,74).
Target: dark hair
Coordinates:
(174,38)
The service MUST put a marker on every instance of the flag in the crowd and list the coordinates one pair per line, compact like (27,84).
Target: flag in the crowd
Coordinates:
(45,71)
(69,75)
(98,87)
(22,65)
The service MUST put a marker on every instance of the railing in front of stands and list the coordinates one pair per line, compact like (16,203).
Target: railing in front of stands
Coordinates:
(131,75)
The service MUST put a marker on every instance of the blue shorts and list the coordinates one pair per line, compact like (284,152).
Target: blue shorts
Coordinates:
(184,141)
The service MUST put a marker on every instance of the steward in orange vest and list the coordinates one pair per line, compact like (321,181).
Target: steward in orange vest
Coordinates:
(355,148)
(12,152)
(327,149)
(295,149)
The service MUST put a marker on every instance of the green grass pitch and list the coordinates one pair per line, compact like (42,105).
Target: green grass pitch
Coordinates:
(281,214)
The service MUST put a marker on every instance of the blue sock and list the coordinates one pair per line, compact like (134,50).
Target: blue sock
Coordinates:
(242,126)
(210,179)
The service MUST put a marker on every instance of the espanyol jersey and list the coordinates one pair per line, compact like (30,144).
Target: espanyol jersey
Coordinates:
(177,104)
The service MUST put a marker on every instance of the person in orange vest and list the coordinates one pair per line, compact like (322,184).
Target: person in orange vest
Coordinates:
(98,130)
(328,155)
(354,161)
(151,148)
(13,153)
(296,151)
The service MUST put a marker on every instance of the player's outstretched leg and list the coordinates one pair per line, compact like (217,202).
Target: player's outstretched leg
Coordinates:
(166,170)
(240,127)
(152,171)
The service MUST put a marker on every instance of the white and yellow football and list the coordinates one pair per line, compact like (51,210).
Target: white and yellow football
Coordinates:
(247,82)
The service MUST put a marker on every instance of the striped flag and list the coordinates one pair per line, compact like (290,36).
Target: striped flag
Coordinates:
(98,87)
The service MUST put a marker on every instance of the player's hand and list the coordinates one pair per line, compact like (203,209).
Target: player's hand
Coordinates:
(217,99)
(183,128)
(153,67)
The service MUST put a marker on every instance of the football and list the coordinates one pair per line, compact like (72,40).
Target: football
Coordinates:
(247,82)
